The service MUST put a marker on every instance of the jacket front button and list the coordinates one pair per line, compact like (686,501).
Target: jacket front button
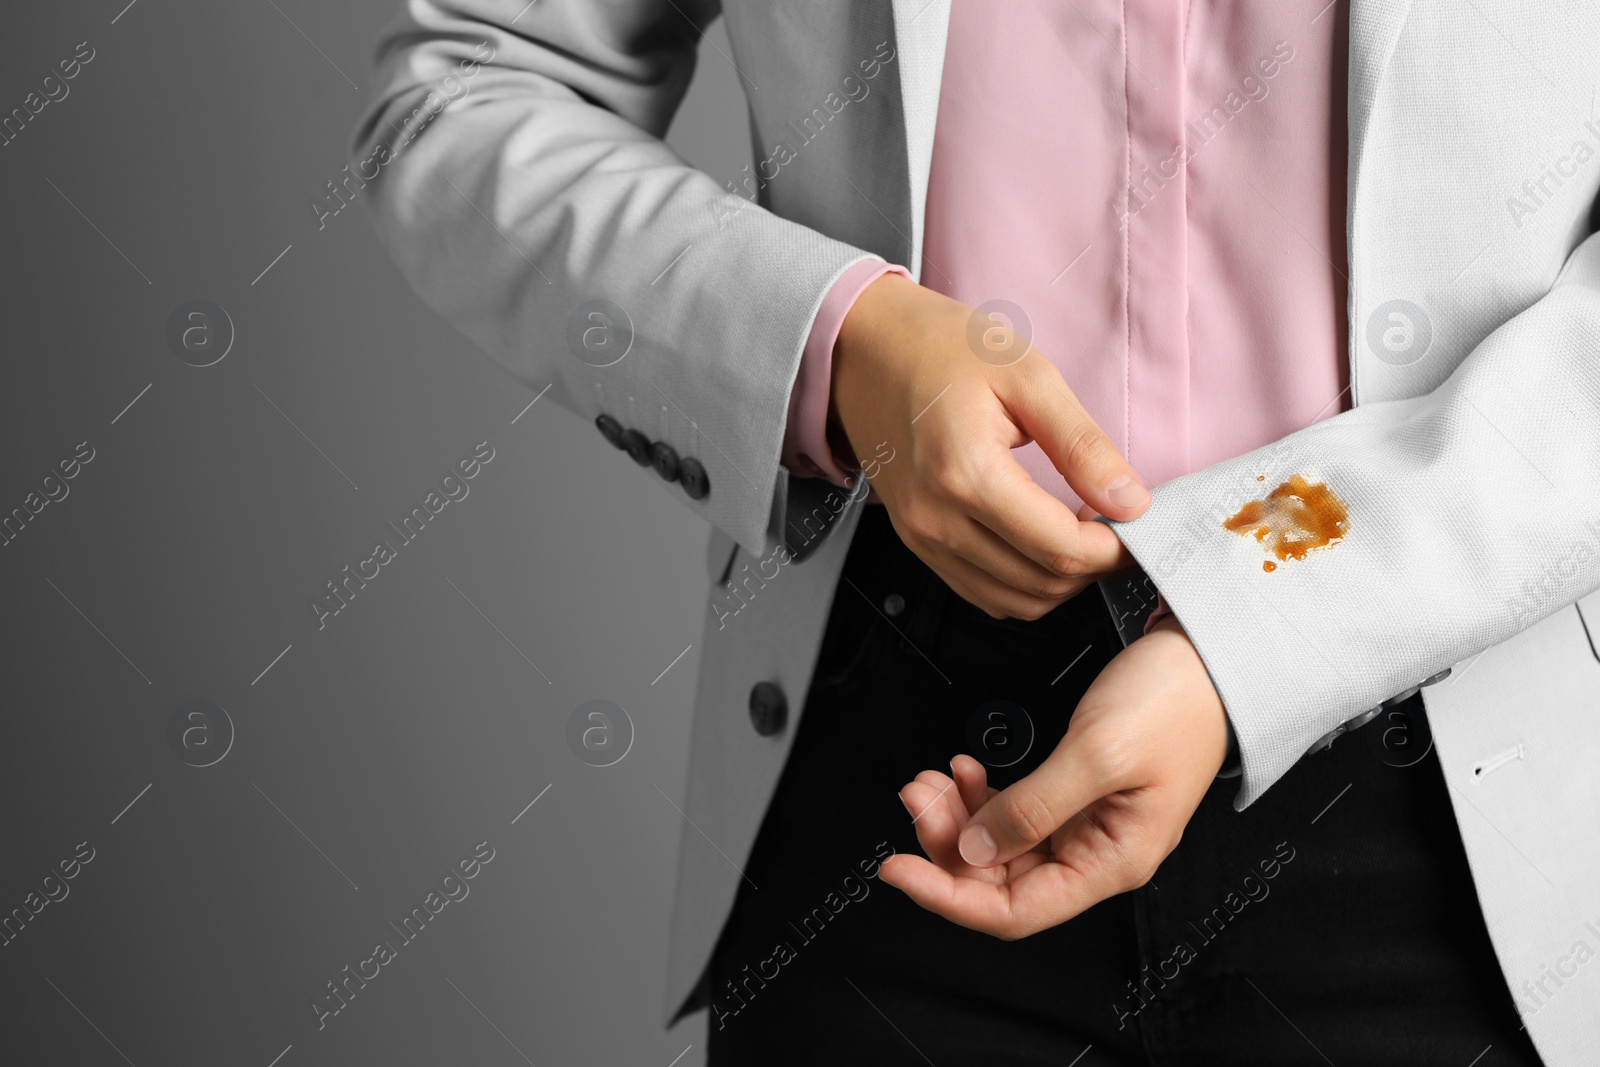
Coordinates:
(610,429)
(664,458)
(694,478)
(638,447)
(769,708)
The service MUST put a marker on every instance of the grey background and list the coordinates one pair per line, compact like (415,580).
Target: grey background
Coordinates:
(376,752)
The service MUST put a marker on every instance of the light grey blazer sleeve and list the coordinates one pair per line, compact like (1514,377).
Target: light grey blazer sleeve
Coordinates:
(1474,512)
(517,173)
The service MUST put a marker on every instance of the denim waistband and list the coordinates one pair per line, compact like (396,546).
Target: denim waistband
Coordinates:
(906,590)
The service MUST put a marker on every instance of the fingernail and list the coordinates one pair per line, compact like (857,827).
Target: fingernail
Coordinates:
(977,847)
(907,806)
(1126,492)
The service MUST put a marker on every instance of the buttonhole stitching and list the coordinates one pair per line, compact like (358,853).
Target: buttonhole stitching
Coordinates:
(1494,763)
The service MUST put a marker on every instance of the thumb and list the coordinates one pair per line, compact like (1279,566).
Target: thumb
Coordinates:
(1021,816)
(1049,413)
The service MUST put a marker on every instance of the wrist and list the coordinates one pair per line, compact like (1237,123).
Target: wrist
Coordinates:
(859,335)
(1169,633)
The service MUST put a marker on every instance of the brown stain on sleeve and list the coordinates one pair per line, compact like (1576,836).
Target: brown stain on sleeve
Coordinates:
(1292,520)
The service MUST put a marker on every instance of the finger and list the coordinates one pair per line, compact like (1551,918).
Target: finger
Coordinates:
(1046,894)
(926,801)
(1048,411)
(1027,812)
(935,824)
(971,902)
(949,795)
(1051,893)
(988,551)
(1038,525)
(972,780)
(977,586)
(939,814)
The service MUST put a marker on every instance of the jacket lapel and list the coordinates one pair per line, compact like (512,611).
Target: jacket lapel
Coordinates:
(1374,31)
(919,31)
(1375,27)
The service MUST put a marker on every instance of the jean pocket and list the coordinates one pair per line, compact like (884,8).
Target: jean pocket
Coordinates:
(852,647)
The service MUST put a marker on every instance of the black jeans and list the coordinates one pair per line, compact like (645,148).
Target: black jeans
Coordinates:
(1333,921)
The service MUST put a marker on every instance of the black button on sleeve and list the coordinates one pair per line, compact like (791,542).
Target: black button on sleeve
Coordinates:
(694,478)
(664,458)
(769,708)
(610,429)
(638,446)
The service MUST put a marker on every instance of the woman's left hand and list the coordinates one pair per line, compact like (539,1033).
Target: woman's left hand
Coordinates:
(1095,820)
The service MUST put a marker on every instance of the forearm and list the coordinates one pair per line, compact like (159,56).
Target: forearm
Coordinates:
(1472,512)
(548,188)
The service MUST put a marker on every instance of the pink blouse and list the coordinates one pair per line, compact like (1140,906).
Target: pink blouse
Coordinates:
(1156,189)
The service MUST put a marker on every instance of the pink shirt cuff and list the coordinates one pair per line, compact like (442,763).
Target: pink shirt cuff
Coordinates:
(805,441)
(1161,608)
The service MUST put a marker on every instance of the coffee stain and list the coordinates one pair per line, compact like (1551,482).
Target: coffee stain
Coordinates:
(1293,519)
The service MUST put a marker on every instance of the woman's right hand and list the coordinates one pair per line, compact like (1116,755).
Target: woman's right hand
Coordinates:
(905,372)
